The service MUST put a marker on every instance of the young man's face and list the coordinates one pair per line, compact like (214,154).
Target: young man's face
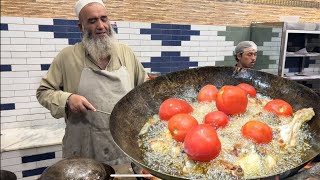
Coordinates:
(247,59)
(94,20)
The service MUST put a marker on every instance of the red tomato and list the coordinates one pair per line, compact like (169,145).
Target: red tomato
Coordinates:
(279,107)
(257,131)
(180,124)
(249,89)
(202,143)
(173,106)
(217,119)
(208,93)
(232,100)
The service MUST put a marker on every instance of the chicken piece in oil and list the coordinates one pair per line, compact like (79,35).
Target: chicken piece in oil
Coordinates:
(289,132)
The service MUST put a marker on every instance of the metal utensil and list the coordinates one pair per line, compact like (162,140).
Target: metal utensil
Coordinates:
(104,112)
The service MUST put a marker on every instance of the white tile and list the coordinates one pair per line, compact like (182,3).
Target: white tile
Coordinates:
(144,59)
(46,163)
(189,53)
(41,48)
(10,154)
(28,80)
(11,161)
(15,125)
(48,54)
(217,38)
(13,61)
(208,63)
(18,174)
(151,54)
(198,58)
(199,38)
(5,54)
(207,53)
(131,42)
(22,27)
(6,80)
(46,149)
(207,43)
(33,99)
(38,110)
(150,43)
(140,25)
(30,178)
(218,28)
(54,41)
(190,43)
(27,105)
(37,73)
(13,74)
(200,27)
(224,53)
(140,36)
(24,93)
(5,41)
(227,43)
(123,36)
(12,34)
(34,86)
(25,40)
(123,24)
(13,47)
(128,31)
(21,167)
(15,99)
(216,58)
(40,21)
(25,54)
(14,87)
(60,47)
(8,119)
(39,60)
(59,155)
(208,33)
(7,93)
(11,20)
(17,67)
(39,34)
(224,48)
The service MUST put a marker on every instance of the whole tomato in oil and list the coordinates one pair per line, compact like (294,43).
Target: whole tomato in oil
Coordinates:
(180,124)
(207,93)
(217,119)
(232,100)
(248,89)
(173,106)
(202,143)
(257,131)
(279,107)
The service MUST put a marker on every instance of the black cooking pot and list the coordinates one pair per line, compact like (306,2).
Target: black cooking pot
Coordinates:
(132,111)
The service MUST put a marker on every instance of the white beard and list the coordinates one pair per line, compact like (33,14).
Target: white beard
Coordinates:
(99,47)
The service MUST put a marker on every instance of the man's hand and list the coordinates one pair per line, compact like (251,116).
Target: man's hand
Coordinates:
(79,104)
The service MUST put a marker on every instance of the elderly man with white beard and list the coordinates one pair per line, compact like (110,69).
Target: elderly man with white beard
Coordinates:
(93,74)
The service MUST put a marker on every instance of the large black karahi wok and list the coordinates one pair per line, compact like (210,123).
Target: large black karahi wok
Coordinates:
(132,111)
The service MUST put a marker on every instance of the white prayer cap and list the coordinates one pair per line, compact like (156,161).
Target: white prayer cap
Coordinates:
(82,3)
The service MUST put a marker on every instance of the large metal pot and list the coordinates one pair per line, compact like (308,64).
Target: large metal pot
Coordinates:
(133,110)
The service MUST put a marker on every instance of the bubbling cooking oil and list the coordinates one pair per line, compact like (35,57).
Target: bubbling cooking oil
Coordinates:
(162,153)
